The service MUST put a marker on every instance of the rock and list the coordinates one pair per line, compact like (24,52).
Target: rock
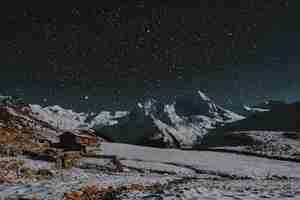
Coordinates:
(45,172)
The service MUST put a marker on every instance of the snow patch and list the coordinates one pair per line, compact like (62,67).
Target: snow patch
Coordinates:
(254,109)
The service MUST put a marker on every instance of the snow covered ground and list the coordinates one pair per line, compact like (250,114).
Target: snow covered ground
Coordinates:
(181,174)
(207,161)
(276,144)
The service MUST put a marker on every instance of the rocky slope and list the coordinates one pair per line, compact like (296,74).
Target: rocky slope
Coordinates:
(18,116)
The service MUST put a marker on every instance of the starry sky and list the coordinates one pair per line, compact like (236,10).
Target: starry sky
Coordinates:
(90,57)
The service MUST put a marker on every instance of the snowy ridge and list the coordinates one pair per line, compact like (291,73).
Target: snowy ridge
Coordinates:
(194,127)
(265,106)
(203,96)
(254,109)
(105,118)
(67,119)
(182,123)
(53,118)
(58,117)
(220,113)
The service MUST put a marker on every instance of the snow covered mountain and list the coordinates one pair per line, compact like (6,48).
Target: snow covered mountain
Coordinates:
(265,106)
(67,119)
(51,119)
(182,123)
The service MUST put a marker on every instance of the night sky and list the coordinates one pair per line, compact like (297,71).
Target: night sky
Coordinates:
(119,53)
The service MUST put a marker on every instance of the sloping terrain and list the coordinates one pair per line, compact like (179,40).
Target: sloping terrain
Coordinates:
(19,130)
(272,130)
(274,144)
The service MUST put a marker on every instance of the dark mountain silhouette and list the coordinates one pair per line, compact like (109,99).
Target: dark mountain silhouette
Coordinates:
(280,117)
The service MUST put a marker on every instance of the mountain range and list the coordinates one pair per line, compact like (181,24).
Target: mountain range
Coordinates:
(180,124)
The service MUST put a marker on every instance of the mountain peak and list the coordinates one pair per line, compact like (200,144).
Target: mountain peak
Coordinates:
(149,106)
(203,96)
(182,123)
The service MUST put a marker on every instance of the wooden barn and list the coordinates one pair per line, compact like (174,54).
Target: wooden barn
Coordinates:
(77,140)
